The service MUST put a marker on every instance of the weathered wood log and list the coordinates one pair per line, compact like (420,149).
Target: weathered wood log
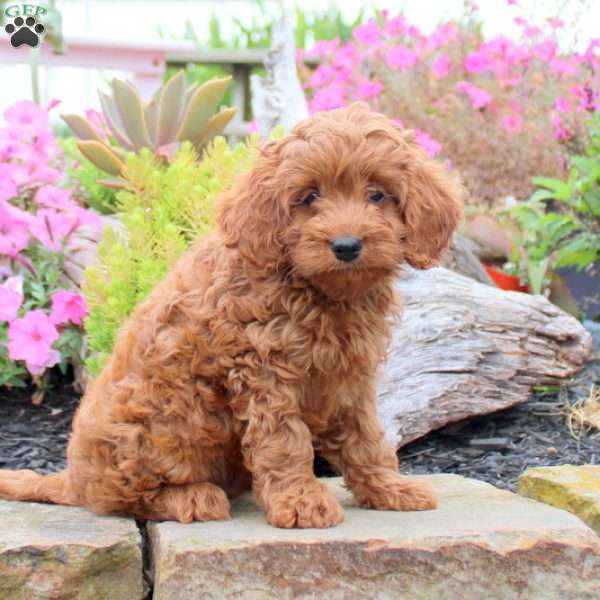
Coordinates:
(462,259)
(278,99)
(463,349)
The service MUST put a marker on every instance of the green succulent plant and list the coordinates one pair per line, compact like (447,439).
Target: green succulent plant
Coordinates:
(173,115)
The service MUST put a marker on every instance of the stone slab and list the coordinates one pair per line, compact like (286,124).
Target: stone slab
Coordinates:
(480,543)
(63,553)
(574,488)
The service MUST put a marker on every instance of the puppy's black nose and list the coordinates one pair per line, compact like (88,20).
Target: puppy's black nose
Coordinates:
(346,248)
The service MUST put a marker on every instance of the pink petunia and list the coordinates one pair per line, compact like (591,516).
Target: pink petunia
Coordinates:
(441,66)
(401,57)
(369,89)
(8,185)
(51,196)
(479,97)
(51,228)
(479,61)
(14,229)
(68,307)
(11,298)
(26,116)
(30,339)
(367,34)
(322,75)
(555,23)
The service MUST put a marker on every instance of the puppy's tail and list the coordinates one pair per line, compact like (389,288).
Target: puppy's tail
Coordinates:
(29,486)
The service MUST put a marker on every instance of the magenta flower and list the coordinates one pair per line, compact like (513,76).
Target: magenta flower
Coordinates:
(27,117)
(11,298)
(68,307)
(430,146)
(369,89)
(51,228)
(479,61)
(401,57)
(54,197)
(8,186)
(512,123)
(562,105)
(441,66)
(479,98)
(396,26)
(329,97)
(30,339)
(322,75)
(367,34)
(14,229)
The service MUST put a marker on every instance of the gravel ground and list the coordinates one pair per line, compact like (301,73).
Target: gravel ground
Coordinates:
(496,448)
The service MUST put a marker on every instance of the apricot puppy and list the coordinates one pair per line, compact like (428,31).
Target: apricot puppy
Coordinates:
(264,340)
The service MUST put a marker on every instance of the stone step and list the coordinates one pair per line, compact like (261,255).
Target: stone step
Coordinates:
(481,543)
(574,488)
(65,553)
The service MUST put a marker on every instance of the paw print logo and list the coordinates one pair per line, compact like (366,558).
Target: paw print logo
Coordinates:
(24,31)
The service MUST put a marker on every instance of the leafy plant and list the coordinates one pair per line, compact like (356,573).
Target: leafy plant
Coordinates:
(559,226)
(174,115)
(41,312)
(164,208)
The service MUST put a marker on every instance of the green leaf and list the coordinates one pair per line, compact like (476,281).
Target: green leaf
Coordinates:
(131,109)
(536,272)
(169,109)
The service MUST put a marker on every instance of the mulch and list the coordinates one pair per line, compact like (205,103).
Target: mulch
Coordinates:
(495,448)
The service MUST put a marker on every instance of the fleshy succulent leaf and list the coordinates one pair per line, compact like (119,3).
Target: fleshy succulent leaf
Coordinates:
(113,120)
(151,116)
(170,108)
(115,184)
(201,108)
(81,128)
(131,109)
(214,126)
(102,156)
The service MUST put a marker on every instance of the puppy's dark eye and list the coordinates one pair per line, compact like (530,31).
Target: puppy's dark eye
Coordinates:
(376,197)
(310,198)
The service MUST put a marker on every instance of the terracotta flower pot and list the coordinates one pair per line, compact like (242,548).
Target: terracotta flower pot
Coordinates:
(505,281)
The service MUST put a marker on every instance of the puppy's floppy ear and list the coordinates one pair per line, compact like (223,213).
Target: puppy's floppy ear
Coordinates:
(252,217)
(431,209)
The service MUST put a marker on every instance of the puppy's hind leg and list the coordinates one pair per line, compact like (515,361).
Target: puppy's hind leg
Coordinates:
(185,503)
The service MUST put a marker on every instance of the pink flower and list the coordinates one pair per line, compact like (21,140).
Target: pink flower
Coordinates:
(512,123)
(441,66)
(545,50)
(325,47)
(397,122)
(11,298)
(68,307)
(561,133)
(531,31)
(369,89)
(367,34)
(329,97)
(562,105)
(430,146)
(30,339)
(562,66)
(401,57)
(479,61)
(54,197)
(26,116)
(555,23)
(396,26)
(14,229)
(322,75)
(51,228)
(8,187)
(479,98)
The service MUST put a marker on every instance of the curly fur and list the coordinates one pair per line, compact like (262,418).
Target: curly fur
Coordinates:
(260,345)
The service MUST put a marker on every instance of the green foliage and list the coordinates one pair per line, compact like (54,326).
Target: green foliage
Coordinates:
(569,233)
(85,175)
(311,27)
(164,208)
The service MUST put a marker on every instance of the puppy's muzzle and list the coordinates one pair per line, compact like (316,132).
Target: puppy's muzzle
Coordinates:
(346,248)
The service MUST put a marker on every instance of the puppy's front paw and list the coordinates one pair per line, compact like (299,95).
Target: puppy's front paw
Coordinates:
(399,493)
(313,506)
